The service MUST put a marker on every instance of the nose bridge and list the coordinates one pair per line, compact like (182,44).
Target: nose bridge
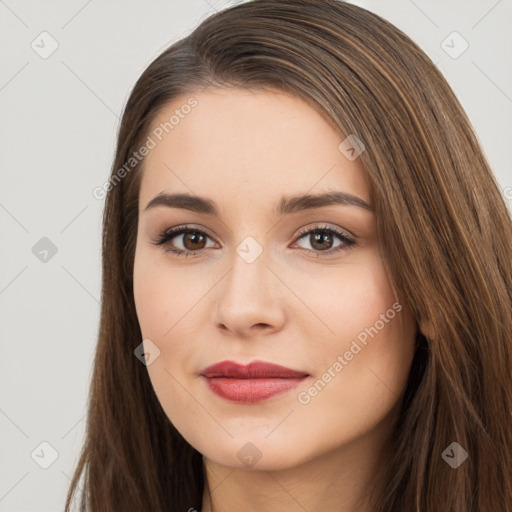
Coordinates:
(248,280)
(247,296)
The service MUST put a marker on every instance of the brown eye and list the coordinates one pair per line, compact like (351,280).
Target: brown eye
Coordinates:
(192,240)
(321,239)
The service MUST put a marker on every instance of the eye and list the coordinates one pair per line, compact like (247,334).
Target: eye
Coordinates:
(193,240)
(320,238)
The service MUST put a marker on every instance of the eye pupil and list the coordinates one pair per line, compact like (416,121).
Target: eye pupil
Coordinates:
(320,237)
(192,237)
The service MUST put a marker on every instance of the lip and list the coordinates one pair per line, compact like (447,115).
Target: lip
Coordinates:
(250,383)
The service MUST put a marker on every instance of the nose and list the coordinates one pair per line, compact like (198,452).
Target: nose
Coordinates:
(249,300)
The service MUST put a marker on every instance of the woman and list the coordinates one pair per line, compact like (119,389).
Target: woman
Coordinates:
(307,291)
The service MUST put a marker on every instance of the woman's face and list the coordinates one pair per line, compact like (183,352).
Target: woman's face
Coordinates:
(275,278)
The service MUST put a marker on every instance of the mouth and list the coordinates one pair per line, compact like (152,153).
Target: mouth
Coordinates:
(251,383)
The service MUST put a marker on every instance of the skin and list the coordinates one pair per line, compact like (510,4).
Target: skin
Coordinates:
(291,306)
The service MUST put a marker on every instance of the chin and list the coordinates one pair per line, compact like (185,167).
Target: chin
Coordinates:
(253,452)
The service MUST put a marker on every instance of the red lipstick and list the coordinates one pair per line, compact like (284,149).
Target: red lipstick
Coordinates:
(251,383)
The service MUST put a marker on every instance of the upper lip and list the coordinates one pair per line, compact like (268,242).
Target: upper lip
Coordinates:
(254,370)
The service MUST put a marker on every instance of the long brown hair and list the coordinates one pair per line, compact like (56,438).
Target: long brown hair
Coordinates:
(445,233)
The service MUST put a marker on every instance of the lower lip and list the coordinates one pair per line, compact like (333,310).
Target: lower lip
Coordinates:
(250,391)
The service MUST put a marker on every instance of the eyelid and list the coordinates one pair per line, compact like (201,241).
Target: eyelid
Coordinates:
(318,226)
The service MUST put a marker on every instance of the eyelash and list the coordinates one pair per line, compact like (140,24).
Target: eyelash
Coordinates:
(164,237)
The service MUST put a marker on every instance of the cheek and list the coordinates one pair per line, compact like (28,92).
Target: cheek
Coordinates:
(166,303)
(159,309)
(347,300)
(161,294)
(364,359)
(361,381)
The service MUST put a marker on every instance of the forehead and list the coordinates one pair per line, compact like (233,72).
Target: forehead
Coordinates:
(246,145)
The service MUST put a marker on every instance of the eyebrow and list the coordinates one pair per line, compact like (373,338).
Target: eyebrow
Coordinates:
(286,206)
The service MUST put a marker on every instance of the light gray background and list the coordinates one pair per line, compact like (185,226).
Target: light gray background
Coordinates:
(59,117)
